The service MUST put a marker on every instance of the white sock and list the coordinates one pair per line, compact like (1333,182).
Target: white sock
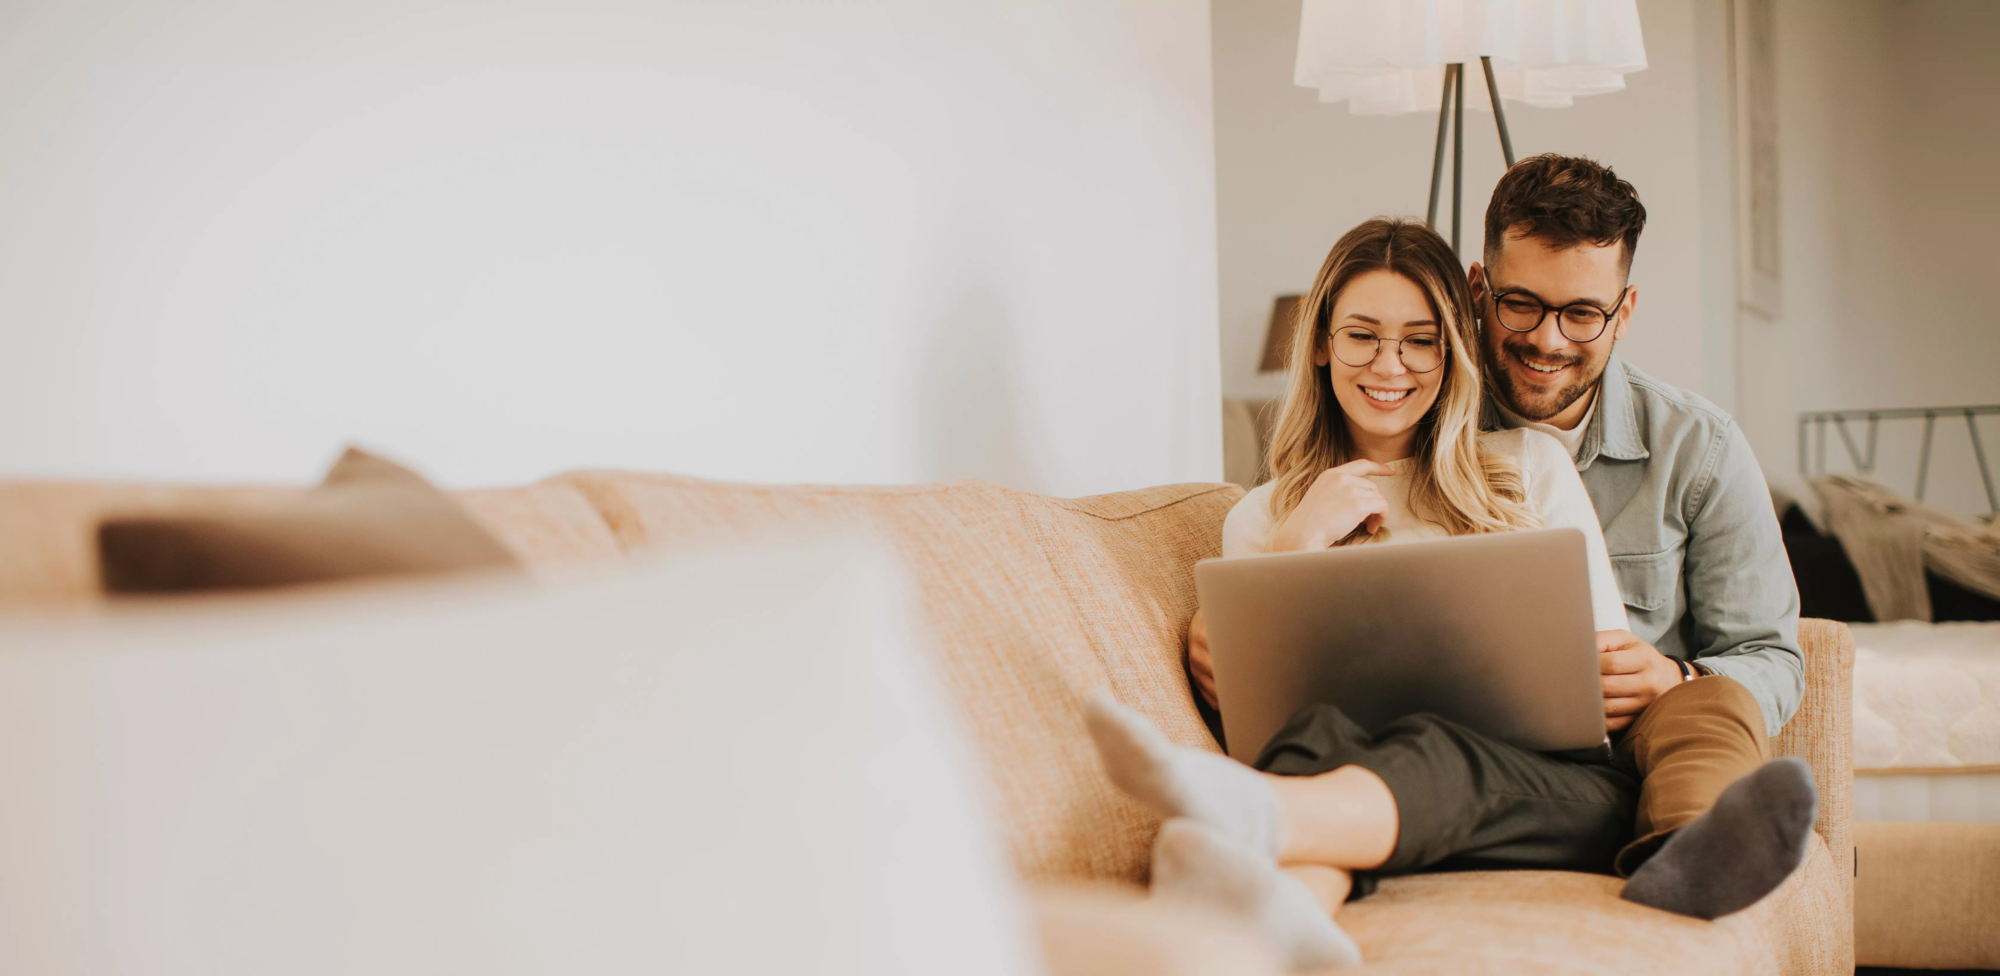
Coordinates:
(1195,863)
(1218,791)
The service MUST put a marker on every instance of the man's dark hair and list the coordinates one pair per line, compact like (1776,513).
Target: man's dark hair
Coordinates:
(1565,201)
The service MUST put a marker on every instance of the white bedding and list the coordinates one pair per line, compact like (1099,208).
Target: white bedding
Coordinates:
(1927,721)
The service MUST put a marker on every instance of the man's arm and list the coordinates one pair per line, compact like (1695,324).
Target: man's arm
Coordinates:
(1743,607)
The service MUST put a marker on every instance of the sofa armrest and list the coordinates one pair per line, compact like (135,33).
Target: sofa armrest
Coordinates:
(1822,733)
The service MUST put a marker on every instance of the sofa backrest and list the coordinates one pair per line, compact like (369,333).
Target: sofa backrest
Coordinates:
(1027,604)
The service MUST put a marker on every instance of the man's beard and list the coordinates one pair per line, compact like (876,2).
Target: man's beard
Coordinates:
(1542,406)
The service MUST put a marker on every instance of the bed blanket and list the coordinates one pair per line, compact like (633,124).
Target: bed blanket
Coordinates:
(1892,539)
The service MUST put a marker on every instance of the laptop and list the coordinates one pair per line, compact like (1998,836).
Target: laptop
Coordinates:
(1492,631)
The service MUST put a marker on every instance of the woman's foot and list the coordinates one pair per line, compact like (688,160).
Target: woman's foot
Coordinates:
(1217,791)
(1194,862)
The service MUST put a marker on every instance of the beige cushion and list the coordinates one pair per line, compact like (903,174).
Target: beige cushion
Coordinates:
(48,543)
(370,517)
(48,531)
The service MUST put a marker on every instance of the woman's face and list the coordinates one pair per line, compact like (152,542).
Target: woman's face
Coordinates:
(1385,395)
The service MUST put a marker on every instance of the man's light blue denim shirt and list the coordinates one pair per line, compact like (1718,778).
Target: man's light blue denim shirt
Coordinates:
(1694,540)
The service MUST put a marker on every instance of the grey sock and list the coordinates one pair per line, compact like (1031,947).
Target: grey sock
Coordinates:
(1176,782)
(1739,851)
(1194,862)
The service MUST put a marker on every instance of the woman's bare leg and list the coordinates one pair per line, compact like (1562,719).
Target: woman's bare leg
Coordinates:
(1344,818)
(1329,886)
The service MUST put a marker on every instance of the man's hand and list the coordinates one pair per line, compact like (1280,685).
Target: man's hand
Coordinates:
(1339,500)
(1634,673)
(1204,675)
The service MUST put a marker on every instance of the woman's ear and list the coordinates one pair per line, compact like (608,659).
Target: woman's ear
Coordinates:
(1322,355)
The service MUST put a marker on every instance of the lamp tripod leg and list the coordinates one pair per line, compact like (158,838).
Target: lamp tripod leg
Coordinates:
(1437,158)
(1457,149)
(1499,114)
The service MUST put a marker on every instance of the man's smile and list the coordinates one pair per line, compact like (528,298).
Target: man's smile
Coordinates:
(1539,370)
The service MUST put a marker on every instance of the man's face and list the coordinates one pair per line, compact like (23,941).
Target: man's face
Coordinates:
(1543,373)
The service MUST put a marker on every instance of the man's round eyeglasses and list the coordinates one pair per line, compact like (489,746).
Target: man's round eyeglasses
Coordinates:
(1579,322)
(1358,347)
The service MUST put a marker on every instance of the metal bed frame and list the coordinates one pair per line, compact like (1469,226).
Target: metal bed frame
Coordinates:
(1864,462)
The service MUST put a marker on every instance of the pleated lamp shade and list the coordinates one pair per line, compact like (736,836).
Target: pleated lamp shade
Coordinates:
(1387,57)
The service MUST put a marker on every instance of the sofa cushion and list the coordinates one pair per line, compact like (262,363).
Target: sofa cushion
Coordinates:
(1027,604)
(1115,930)
(1565,922)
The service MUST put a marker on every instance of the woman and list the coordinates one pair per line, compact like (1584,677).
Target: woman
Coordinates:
(1378,443)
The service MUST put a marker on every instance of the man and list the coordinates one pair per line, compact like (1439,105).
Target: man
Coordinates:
(1713,666)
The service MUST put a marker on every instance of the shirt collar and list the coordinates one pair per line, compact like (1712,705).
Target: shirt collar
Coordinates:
(1614,432)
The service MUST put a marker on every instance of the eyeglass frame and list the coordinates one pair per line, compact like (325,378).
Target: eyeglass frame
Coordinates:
(1495,296)
(1439,336)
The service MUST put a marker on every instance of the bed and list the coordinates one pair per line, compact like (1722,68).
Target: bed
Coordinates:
(1927,722)
(1927,794)
(1926,690)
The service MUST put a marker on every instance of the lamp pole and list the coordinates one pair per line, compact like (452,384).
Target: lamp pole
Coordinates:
(1451,105)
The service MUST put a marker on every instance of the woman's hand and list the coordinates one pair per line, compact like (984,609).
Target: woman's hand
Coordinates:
(1339,499)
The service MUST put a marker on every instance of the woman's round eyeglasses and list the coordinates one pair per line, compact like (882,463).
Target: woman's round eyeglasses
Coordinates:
(1579,322)
(1358,347)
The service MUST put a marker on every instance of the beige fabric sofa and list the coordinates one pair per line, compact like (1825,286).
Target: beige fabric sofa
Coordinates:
(1027,605)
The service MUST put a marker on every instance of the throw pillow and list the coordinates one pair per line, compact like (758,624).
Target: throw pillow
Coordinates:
(370,517)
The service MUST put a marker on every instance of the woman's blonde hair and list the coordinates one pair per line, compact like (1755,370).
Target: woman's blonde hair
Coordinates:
(1456,484)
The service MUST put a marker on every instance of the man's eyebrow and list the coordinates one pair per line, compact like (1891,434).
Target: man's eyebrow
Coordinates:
(1499,290)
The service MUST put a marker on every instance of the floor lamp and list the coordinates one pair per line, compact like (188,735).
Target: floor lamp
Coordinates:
(1379,55)
(1452,104)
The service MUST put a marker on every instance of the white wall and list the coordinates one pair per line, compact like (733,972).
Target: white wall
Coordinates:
(777,240)
(1294,174)
(1888,143)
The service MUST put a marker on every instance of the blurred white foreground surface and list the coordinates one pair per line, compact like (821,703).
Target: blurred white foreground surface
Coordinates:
(731,763)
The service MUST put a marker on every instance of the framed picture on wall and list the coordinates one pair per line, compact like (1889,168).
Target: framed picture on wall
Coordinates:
(1754,92)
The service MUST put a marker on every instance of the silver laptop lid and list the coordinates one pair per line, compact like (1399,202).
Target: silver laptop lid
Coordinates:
(1493,632)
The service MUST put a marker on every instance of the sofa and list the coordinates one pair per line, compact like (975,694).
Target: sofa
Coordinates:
(1027,604)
